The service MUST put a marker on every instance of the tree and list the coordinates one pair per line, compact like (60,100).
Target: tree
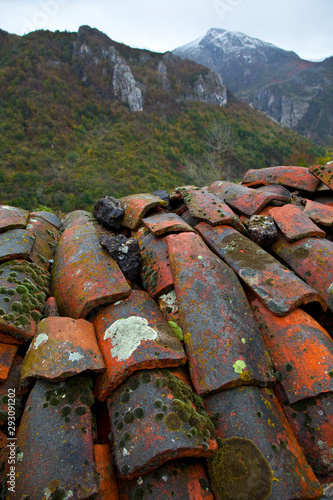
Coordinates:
(219,150)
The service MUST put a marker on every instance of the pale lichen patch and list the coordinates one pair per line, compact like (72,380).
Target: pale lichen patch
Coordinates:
(40,339)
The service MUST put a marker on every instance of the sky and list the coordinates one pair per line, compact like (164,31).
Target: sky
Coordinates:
(304,26)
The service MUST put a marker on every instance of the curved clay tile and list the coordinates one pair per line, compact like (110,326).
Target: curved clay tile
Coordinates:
(319,213)
(136,206)
(12,218)
(294,223)
(16,244)
(183,479)
(254,414)
(163,223)
(301,351)
(77,218)
(55,442)
(312,422)
(312,260)
(277,287)
(155,417)
(245,200)
(84,275)
(10,384)
(324,173)
(61,348)
(295,177)
(48,217)
(155,269)
(207,206)
(219,329)
(133,335)
(7,356)
(47,237)
(107,480)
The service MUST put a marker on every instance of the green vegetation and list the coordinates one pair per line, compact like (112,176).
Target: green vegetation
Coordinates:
(65,141)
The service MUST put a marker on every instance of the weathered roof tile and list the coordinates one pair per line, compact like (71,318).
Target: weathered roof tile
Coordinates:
(163,223)
(256,433)
(277,287)
(294,223)
(11,385)
(301,351)
(61,348)
(12,218)
(108,487)
(16,244)
(216,319)
(136,206)
(312,260)
(319,213)
(324,173)
(133,335)
(295,177)
(245,200)
(155,418)
(47,238)
(84,275)
(7,355)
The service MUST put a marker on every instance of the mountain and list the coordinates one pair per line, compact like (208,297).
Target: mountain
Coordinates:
(294,92)
(82,116)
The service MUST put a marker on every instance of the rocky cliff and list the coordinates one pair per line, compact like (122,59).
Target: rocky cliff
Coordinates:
(294,92)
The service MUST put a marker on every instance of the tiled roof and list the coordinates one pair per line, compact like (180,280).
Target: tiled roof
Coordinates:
(194,361)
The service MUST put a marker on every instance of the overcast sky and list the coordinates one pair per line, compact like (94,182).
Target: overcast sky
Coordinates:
(304,26)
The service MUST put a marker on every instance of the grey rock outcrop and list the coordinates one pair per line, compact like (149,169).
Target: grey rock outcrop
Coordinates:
(210,89)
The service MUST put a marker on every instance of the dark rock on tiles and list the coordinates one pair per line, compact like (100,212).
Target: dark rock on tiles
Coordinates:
(262,230)
(54,446)
(12,218)
(324,173)
(12,384)
(163,195)
(312,260)
(216,319)
(7,356)
(155,417)
(208,207)
(245,200)
(294,223)
(125,251)
(277,287)
(16,244)
(258,454)
(160,224)
(294,177)
(107,480)
(108,212)
(301,351)
(48,217)
(312,422)
(136,207)
(133,335)
(61,348)
(319,213)
(84,275)
(24,287)
(155,270)
(183,479)
(47,238)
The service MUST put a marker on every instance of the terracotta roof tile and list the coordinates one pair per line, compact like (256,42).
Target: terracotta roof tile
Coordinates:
(155,417)
(294,224)
(319,213)
(280,289)
(66,347)
(216,320)
(163,223)
(295,177)
(183,479)
(84,275)
(12,218)
(133,335)
(7,355)
(324,173)
(312,260)
(245,200)
(16,244)
(136,206)
(54,441)
(155,270)
(135,443)
(254,414)
(301,351)
(205,205)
